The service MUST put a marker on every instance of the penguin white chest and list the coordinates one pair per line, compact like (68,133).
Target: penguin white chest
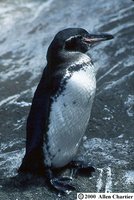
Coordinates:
(69,116)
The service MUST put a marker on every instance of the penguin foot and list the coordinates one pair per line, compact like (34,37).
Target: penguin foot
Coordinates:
(80,168)
(61,185)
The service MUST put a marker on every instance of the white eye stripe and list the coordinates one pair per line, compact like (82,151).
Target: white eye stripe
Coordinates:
(73,37)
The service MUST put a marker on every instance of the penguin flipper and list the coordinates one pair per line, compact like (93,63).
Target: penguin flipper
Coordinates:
(33,160)
(37,123)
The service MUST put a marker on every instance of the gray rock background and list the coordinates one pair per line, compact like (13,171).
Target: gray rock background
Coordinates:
(26,29)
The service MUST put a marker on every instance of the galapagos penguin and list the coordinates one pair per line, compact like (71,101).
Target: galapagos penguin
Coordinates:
(61,106)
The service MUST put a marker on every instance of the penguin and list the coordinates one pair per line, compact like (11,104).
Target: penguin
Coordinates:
(61,107)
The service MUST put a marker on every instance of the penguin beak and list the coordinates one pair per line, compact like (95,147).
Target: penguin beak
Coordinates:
(91,38)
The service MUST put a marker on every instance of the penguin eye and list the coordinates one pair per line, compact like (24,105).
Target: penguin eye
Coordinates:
(80,36)
(73,42)
(70,42)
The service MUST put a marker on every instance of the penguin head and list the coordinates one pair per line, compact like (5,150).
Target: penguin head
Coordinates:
(74,40)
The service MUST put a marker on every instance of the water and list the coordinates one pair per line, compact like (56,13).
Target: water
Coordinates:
(27,27)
